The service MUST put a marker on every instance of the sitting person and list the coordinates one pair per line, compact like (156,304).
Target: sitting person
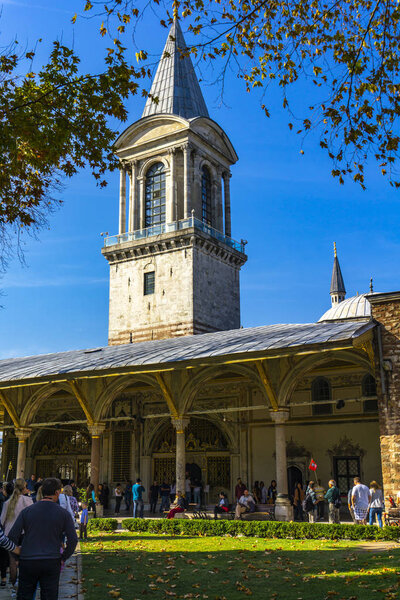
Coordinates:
(178,506)
(222,506)
(246,504)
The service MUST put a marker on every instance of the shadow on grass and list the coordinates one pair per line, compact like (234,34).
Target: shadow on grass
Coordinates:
(227,569)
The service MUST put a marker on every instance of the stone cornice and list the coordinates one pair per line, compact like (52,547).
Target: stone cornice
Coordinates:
(171,242)
(378,298)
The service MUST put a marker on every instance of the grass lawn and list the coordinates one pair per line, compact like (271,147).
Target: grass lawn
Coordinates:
(132,566)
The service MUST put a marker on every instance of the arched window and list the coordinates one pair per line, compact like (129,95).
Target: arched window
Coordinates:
(155,195)
(368,386)
(206,213)
(320,393)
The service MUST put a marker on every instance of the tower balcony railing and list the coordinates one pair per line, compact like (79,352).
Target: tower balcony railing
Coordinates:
(155,230)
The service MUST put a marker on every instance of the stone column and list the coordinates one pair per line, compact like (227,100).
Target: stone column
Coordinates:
(180,425)
(22,435)
(142,204)
(95,431)
(227,203)
(283,508)
(122,200)
(218,202)
(133,209)
(171,212)
(187,181)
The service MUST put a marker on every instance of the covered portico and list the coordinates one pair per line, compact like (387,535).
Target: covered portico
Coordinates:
(118,400)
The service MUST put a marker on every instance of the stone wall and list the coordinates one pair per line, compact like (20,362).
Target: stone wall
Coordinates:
(386,310)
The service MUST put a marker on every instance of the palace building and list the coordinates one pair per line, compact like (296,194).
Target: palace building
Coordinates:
(180,385)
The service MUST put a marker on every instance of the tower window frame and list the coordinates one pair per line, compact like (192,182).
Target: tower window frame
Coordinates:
(321,394)
(155,195)
(149,281)
(206,196)
(368,390)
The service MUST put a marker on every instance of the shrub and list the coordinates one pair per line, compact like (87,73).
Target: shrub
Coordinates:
(102,524)
(262,529)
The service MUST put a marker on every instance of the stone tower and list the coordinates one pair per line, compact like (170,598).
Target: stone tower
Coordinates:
(338,291)
(174,268)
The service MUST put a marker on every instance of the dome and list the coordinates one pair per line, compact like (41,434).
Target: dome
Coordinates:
(357,307)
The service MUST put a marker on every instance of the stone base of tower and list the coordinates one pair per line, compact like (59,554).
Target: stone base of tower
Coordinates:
(390,455)
(159,332)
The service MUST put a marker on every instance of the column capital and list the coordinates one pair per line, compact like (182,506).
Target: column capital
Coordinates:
(279,416)
(227,175)
(96,429)
(172,150)
(22,433)
(180,423)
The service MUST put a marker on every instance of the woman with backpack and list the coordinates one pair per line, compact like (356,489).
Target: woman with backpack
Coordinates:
(334,502)
(310,502)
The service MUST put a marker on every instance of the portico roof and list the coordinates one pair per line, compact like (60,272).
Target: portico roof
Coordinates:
(237,344)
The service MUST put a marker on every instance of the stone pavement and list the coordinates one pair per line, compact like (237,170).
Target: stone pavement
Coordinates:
(69,582)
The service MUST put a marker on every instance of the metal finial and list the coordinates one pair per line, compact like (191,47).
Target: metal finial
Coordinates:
(334,250)
(371,285)
(175,10)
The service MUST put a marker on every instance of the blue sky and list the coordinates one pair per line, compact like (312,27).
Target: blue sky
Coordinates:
(285,204)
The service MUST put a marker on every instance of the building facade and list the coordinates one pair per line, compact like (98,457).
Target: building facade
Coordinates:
(181,387)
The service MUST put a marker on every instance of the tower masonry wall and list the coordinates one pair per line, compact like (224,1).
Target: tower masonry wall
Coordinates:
(216,293)
(386,310)
(168,312)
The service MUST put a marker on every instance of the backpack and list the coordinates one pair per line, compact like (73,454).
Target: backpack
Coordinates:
(307,504)
(337,501)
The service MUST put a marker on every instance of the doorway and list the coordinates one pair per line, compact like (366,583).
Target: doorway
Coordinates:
(294,476)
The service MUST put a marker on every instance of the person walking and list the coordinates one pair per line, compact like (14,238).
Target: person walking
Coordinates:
(360,499)
(376,504)
(154,492)
(333,498)
(45,525)
(83,522)
(118,497)
(91,498)
(18,501)
(349,504)
(164,493)
(63,501)
(73,502)
(137,492)
(298,497)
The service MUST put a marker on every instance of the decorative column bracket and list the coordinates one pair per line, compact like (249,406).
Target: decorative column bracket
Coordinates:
(266,384)
(167,395)
(10,409)
(83,403)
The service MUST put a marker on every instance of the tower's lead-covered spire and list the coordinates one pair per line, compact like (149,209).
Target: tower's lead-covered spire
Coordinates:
(338,291)
(175,84)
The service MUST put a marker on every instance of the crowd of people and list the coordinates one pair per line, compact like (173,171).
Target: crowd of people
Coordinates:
(37,535)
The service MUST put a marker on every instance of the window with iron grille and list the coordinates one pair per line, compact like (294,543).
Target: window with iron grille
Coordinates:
(149,283)
(121,456)
(155,195)
(219,471)
(320,393)
(345,468)
(206,213)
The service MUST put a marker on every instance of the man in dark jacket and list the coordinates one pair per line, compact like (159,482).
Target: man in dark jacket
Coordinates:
(44,524)
(333,497)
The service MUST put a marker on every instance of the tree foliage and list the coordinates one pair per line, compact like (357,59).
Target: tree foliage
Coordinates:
(54,121)
(347,50)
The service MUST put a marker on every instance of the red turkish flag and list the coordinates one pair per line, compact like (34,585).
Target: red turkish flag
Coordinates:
(313,465)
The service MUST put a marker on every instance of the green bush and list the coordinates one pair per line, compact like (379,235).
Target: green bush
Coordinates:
(262,529)
(102,524)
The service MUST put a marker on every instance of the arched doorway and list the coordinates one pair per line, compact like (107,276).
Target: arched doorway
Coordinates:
(294,475)
(64,454)
(208,456)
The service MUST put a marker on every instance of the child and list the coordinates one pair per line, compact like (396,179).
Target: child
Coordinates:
(83,522)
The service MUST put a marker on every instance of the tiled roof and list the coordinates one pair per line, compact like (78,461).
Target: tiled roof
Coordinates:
(255,340)
(175,83)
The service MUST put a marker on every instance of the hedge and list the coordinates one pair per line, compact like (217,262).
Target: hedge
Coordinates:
(262,529)
(102,524)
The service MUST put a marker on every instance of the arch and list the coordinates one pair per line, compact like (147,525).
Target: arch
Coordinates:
(112,390)
(196,383)
(306,364)
(36,400)
(155,194)
(147,164)
(368,386)
(206,196)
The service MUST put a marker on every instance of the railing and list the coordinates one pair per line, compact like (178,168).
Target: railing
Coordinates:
(140,234)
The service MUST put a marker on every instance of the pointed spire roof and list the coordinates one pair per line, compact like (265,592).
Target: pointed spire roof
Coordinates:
(175,83)
(337,283)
